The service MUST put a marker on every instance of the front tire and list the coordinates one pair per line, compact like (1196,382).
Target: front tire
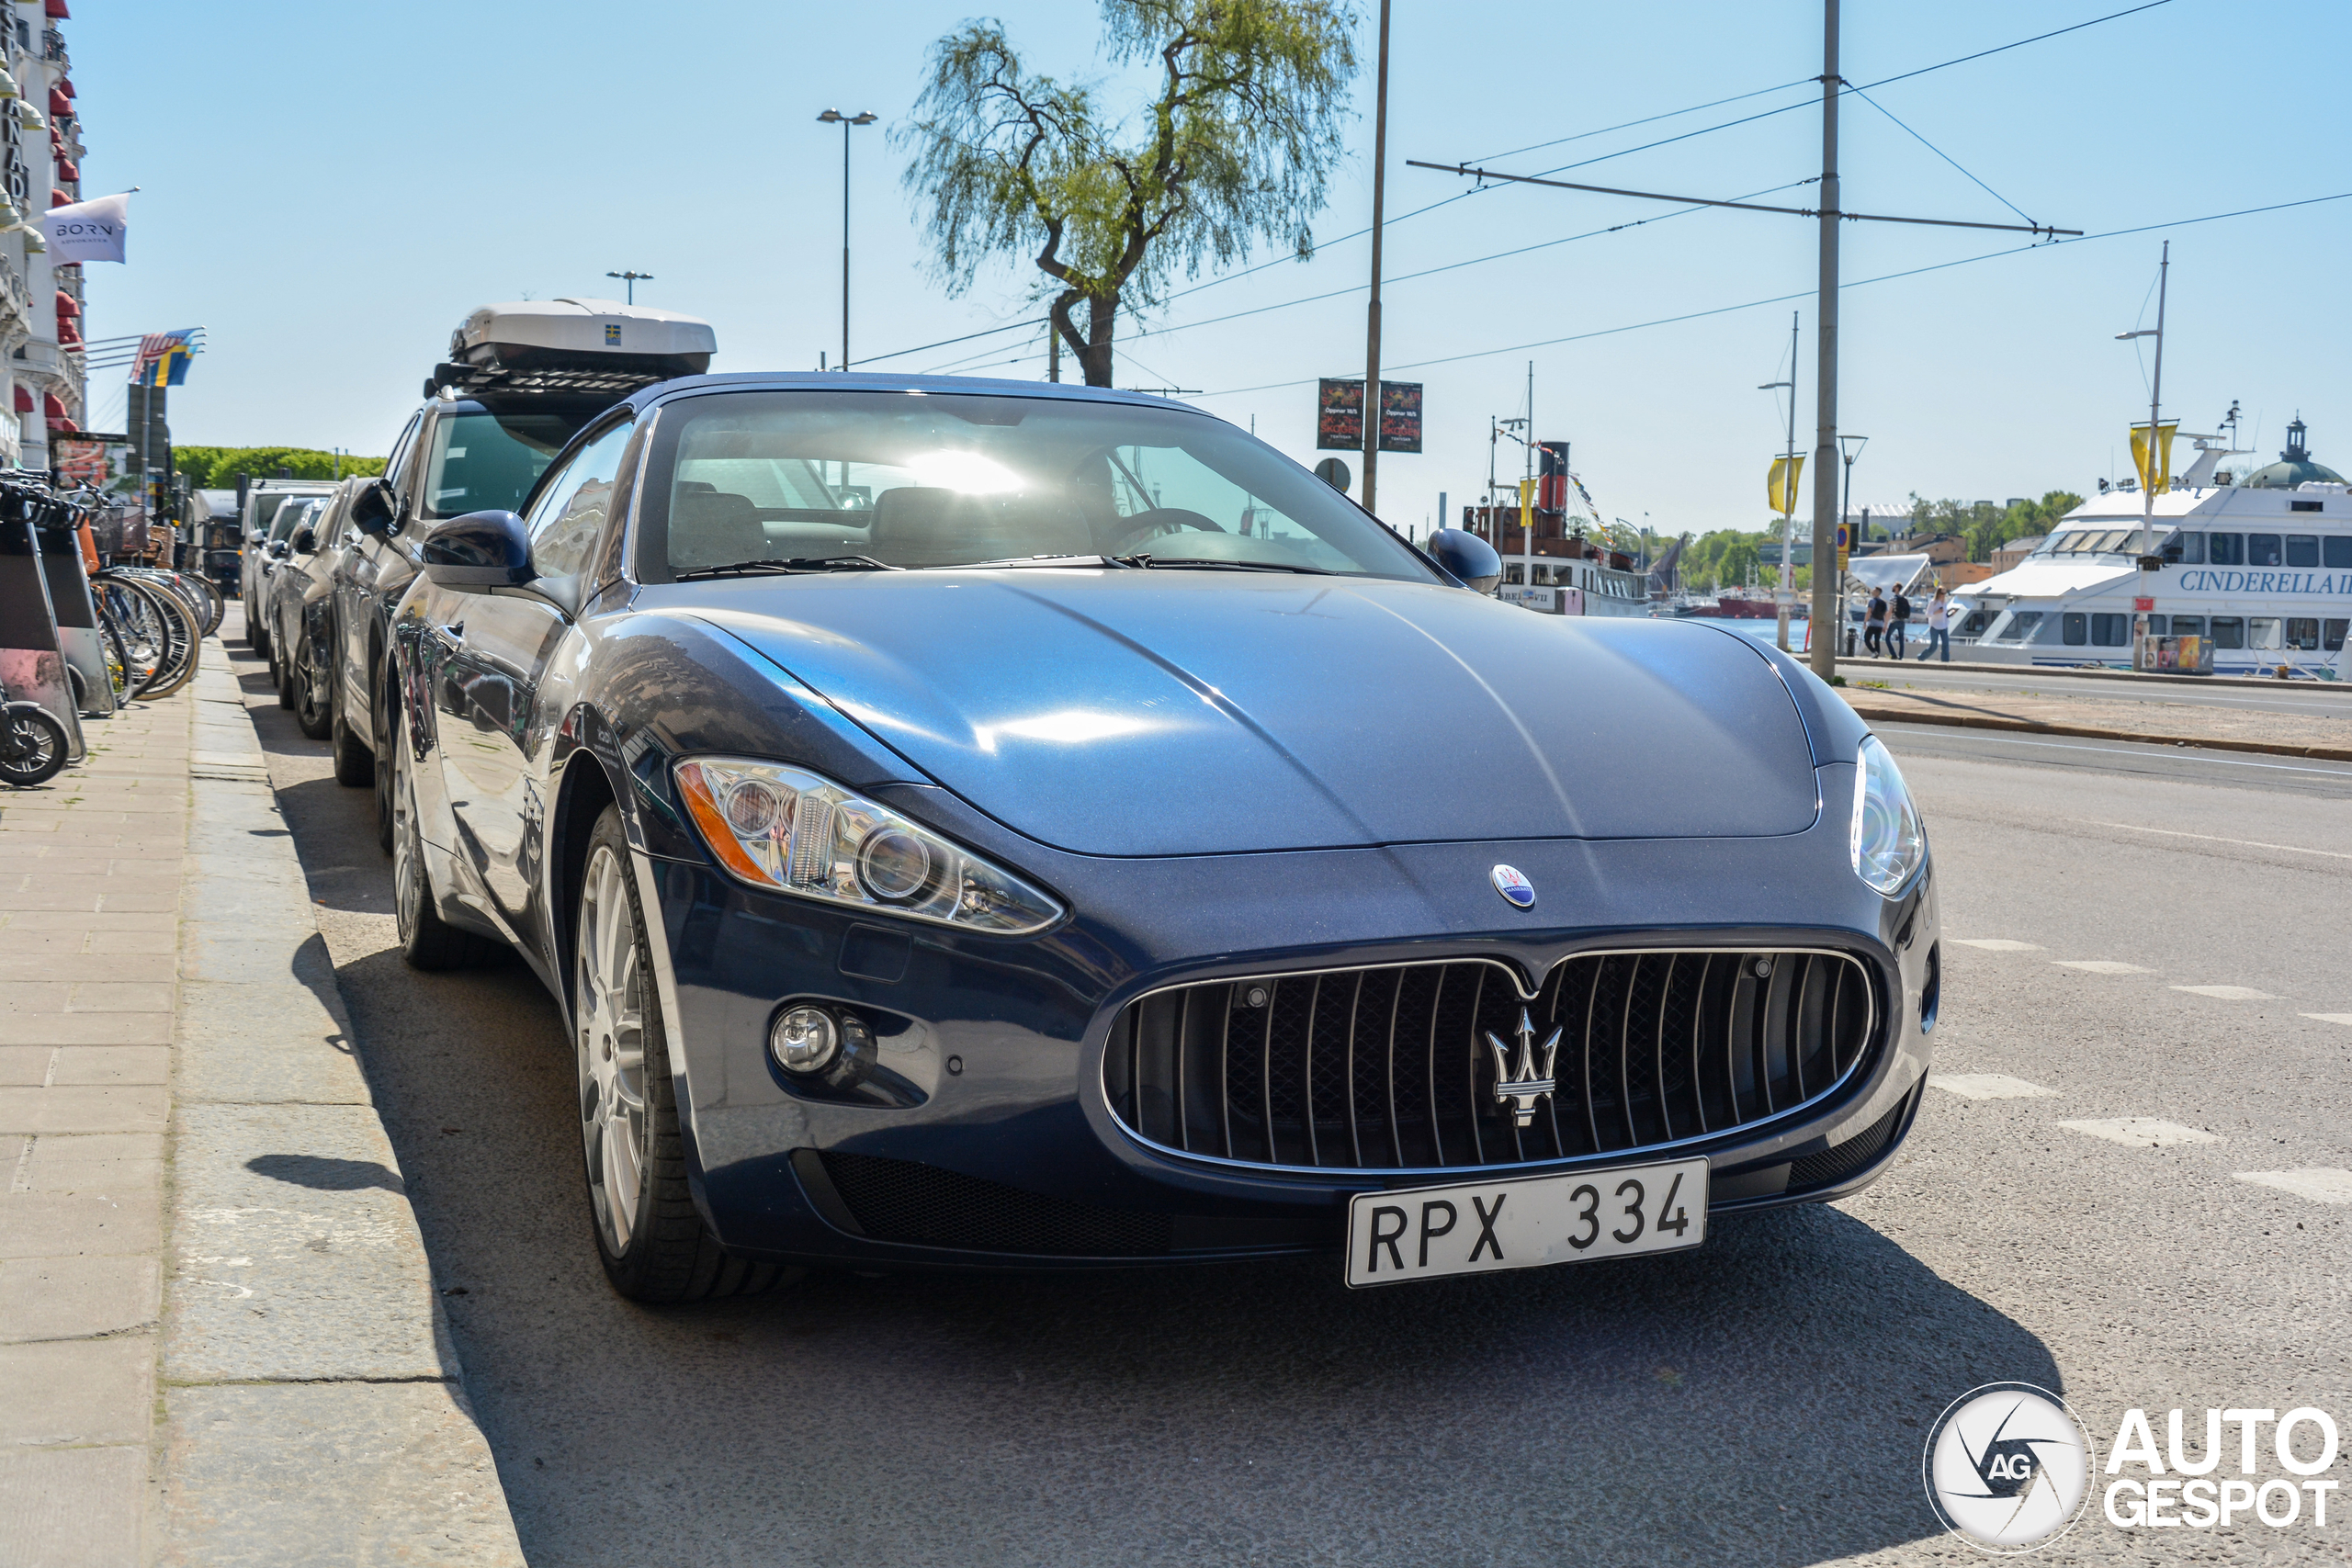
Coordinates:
(650,1236)
(313,698)
(427,942)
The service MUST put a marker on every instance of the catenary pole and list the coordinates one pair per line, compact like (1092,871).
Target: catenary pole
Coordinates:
(1826,583)
(1372,310)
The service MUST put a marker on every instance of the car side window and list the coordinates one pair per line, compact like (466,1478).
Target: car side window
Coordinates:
(569,514)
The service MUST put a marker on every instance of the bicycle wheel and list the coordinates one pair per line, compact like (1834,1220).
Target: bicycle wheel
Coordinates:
(181,644)
(137,629)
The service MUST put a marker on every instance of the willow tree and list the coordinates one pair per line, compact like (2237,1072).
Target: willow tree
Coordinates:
(1234,145)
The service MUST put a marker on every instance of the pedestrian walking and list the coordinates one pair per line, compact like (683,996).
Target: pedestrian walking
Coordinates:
(1896,623)
(1938,627)
(1874,622)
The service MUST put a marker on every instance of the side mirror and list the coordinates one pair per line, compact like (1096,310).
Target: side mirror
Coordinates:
(306,541)
(375,508)
(482,549)
(277,548)
(1468,557)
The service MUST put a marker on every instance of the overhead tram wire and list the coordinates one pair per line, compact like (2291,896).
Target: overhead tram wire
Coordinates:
(1463,195)
(2042,248)
(1947,157)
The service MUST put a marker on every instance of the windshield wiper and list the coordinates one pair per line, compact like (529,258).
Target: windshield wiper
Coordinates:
(1202,561)
(796,564)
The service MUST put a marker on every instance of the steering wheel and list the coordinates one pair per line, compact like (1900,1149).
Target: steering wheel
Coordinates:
(1145,527)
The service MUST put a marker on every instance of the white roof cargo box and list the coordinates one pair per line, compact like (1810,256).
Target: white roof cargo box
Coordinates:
(573,346)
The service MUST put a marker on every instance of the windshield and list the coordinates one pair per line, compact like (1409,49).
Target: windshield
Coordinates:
(488,462)
(924,480)
(291,512)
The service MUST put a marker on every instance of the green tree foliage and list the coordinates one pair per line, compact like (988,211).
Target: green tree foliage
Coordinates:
(1236,145)
(1987,527)
(217,467)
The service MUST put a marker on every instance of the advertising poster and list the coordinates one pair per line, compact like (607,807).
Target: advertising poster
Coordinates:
(1338,416)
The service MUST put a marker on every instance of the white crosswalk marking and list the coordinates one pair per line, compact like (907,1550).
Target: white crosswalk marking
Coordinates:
(2331,1017)
(1996,944)
(2100,967)
(2228,993)
(2321,1184)
(1987,1085)
(2141,1131)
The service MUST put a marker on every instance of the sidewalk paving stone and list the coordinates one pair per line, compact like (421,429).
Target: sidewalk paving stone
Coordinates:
(97,1391)
(78,1298)
(73,1507)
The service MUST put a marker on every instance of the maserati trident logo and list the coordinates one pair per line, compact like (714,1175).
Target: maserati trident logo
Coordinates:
(1514,887)
(1520,1085)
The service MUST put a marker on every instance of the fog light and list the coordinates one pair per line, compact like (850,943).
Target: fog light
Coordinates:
(804,1040)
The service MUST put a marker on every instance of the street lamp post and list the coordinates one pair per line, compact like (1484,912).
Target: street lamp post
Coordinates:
(632,278)
(1849,448)
(1787,592)
(835,117)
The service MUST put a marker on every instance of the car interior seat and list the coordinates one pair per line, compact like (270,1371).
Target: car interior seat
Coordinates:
(713,527)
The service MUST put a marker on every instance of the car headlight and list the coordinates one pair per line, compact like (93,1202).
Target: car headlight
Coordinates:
(1889,843)
(788,830)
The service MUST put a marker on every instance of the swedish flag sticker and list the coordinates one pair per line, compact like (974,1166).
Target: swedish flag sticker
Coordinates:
(612,334)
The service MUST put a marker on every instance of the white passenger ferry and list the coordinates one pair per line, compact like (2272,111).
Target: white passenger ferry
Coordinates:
(2259,565)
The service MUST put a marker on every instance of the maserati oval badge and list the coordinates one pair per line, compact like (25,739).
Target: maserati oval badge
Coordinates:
(1514,887)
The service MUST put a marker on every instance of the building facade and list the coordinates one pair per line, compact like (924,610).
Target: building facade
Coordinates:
(42,321)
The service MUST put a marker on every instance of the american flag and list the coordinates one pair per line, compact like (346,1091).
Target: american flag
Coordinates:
(153,347)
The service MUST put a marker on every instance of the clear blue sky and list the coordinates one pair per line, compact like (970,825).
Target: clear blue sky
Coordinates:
(328,189)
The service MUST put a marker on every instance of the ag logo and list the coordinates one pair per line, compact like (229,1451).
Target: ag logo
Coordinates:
(2007,1467)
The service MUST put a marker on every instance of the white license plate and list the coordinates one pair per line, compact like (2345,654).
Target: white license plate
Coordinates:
(1425,1232)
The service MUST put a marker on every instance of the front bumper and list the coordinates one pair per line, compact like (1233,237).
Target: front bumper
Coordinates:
(988,1088)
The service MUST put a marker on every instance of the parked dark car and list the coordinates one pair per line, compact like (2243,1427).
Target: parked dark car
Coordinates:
(299,599)
(456,453)
(973,823)
(271,507)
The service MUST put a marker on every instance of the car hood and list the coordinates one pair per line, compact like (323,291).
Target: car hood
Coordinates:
(1182,713)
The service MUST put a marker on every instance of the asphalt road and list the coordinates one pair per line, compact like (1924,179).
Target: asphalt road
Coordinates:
(1761,1401)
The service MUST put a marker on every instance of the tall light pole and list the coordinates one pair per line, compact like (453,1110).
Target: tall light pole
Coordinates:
(1372,316)
(835,117)
(2155,393)
(632,278)
(1852,447)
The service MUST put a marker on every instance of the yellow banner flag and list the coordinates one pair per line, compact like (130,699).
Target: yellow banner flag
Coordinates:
(2161,481)
(1527,506)
(1782,484)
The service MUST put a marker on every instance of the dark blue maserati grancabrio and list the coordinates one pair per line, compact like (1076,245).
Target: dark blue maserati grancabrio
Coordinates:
(989,824)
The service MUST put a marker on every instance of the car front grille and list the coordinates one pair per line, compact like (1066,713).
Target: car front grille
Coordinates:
(1388,1067)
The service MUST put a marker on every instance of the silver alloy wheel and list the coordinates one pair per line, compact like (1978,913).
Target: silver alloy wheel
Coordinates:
(612,1002)
(408,864)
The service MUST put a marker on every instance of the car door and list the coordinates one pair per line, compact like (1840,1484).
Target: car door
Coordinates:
(492,648)
(360,614)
